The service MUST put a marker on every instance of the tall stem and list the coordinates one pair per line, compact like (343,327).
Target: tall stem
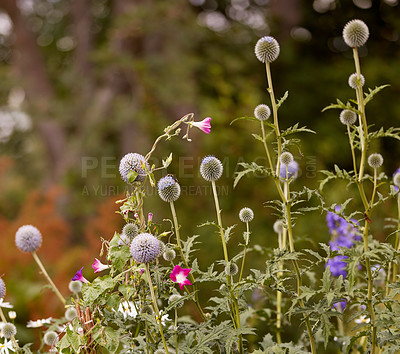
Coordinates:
(42,268)
(397,243)
(275,114)
(235,306)
(244,252)
(178,242)
(158,318)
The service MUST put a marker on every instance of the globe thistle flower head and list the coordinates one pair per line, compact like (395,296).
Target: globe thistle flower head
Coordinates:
(289,171)
(267,49)
(131,230)
(175,297)
(355,33)
(246,214)
(262,112)
(278,226)
(375,160)
(169,189)
(211,168)
(28,238)
(2,288)
(231,269)
(169,255)
(8,330)
(50,338)
(347,117)
(133,162)
(70,314)
(354,81)
(75,286)
(162,249)
(145,248)
(286,158)
(396,181)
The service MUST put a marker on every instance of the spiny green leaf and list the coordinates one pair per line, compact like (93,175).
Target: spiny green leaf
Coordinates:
(370,95)
(281,100)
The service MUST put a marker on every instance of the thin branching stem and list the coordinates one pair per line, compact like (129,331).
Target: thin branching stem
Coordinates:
(43,269)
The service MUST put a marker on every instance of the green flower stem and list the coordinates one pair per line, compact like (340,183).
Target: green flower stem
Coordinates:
(397,243)
(361,108)
(244,252)
(235,306)
(139,201)
(153,297)
(275,114)
(297,270)
(178,242)
(266,146)
(221,230)
(367,206)
(42,268)
(352,150)
(176,330)
(3,318)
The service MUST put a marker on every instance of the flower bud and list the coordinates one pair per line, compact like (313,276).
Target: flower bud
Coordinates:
(28,238)
(8,330)
(246,215)
(348,117)
(354,82)
(375,160)
(262,112)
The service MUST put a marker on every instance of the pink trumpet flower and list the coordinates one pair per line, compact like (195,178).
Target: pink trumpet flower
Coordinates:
(204,125)
(79,276)
(98,266)
(179,275)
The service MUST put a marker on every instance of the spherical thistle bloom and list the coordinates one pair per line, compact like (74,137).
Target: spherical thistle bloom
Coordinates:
(75,286)
(267,49)
(12,315)
(131,230)
(286,158)
(162,249)
(211,168)
(133,162)
(355,33)
(70,314)
(169,189)
(246,214)
(147,309)
(8,330)
(375,160)
(347,117)
(278,226)
(231,269)
(50,338)
(354,81)
(169,255)
(28,238)
(2,288)
(175,297)
(262,112)
(145,248)
(289,171)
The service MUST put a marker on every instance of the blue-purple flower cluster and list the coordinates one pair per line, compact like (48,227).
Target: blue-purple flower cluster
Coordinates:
(344,234)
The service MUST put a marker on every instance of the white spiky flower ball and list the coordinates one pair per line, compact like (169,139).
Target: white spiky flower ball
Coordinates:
(375,160)
(262,112)
(133,162)
(354,81)
(211,168)
(28,238)
(355,33)
(347,117)
(267,49)
(169,189)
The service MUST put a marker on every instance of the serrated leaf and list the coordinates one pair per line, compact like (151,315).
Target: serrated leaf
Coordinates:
(168,161)
(281,100)
(244,118)
(370,95)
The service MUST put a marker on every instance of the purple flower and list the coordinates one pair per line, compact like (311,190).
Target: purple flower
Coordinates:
(98,266)
(340,306)
(292,170)
(79,276)
(337,266)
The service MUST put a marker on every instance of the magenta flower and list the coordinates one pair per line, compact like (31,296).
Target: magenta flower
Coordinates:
(150,217)
(204,125)
(79,276)
(98,266)
(179,275)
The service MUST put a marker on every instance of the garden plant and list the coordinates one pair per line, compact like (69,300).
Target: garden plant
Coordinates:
(151,273)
